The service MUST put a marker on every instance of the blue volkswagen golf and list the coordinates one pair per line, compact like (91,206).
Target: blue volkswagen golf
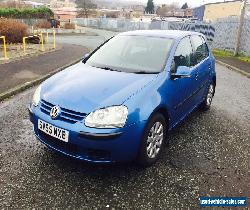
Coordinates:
(119,103)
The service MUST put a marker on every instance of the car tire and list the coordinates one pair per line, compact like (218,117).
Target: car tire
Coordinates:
(152,141)
(206,104)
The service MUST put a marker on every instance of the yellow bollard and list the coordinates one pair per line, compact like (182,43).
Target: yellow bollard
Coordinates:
(4,47)
(54,39)
(42,45)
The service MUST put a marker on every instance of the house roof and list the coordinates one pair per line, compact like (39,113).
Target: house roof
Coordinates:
(220,2)
(224,2)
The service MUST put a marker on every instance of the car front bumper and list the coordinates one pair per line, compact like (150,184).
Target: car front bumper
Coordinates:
(89,144)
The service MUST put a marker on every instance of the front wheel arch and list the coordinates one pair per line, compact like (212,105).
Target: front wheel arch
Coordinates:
(164,112)
(161,110)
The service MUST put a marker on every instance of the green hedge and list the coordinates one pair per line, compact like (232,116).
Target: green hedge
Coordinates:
(41,12)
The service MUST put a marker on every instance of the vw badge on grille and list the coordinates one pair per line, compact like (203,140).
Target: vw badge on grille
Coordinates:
(55,111)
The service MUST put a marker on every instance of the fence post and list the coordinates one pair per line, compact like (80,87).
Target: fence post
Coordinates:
(242,15)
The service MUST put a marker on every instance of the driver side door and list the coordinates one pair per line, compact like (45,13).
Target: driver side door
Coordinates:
(180,91)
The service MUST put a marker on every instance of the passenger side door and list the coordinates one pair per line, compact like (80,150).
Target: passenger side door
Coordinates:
(180,91)
(202,63)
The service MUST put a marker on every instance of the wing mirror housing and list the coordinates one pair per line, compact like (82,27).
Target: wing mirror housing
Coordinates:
(182,72)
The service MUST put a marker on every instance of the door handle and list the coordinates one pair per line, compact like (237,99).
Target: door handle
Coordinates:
(196,76)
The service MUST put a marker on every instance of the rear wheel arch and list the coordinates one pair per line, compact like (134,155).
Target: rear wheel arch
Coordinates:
(214,83)
(214,80)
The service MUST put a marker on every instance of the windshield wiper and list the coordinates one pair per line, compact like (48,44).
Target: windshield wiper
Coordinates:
(146,72)
(108,68)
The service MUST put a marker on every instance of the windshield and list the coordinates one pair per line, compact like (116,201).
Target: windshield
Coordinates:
(136,54)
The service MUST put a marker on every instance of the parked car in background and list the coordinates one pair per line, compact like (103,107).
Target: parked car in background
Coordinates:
(121,101)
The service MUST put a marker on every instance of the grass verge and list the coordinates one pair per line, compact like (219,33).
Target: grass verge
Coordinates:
(223,53)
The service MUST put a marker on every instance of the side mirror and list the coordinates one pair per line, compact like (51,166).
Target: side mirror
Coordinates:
(85,57)
(182,72)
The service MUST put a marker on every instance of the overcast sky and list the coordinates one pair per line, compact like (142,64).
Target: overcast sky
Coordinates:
(191,3)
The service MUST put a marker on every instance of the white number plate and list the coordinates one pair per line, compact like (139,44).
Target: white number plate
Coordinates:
(53,131)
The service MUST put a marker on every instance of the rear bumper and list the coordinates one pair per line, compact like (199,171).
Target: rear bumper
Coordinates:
(93,145)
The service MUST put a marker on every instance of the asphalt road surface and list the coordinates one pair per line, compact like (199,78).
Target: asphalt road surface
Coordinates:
(208,155)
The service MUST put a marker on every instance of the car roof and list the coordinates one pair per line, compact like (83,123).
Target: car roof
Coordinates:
(174,34)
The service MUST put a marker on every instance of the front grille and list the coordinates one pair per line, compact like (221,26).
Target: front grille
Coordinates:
(75,150)
(65,115)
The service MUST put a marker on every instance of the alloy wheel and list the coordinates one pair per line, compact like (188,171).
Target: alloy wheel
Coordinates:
(155,139)
(210,95)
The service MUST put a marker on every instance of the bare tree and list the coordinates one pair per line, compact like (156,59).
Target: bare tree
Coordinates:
(85,6)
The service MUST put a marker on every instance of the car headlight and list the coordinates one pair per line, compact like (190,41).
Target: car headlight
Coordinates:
(111,117)
(36,96)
